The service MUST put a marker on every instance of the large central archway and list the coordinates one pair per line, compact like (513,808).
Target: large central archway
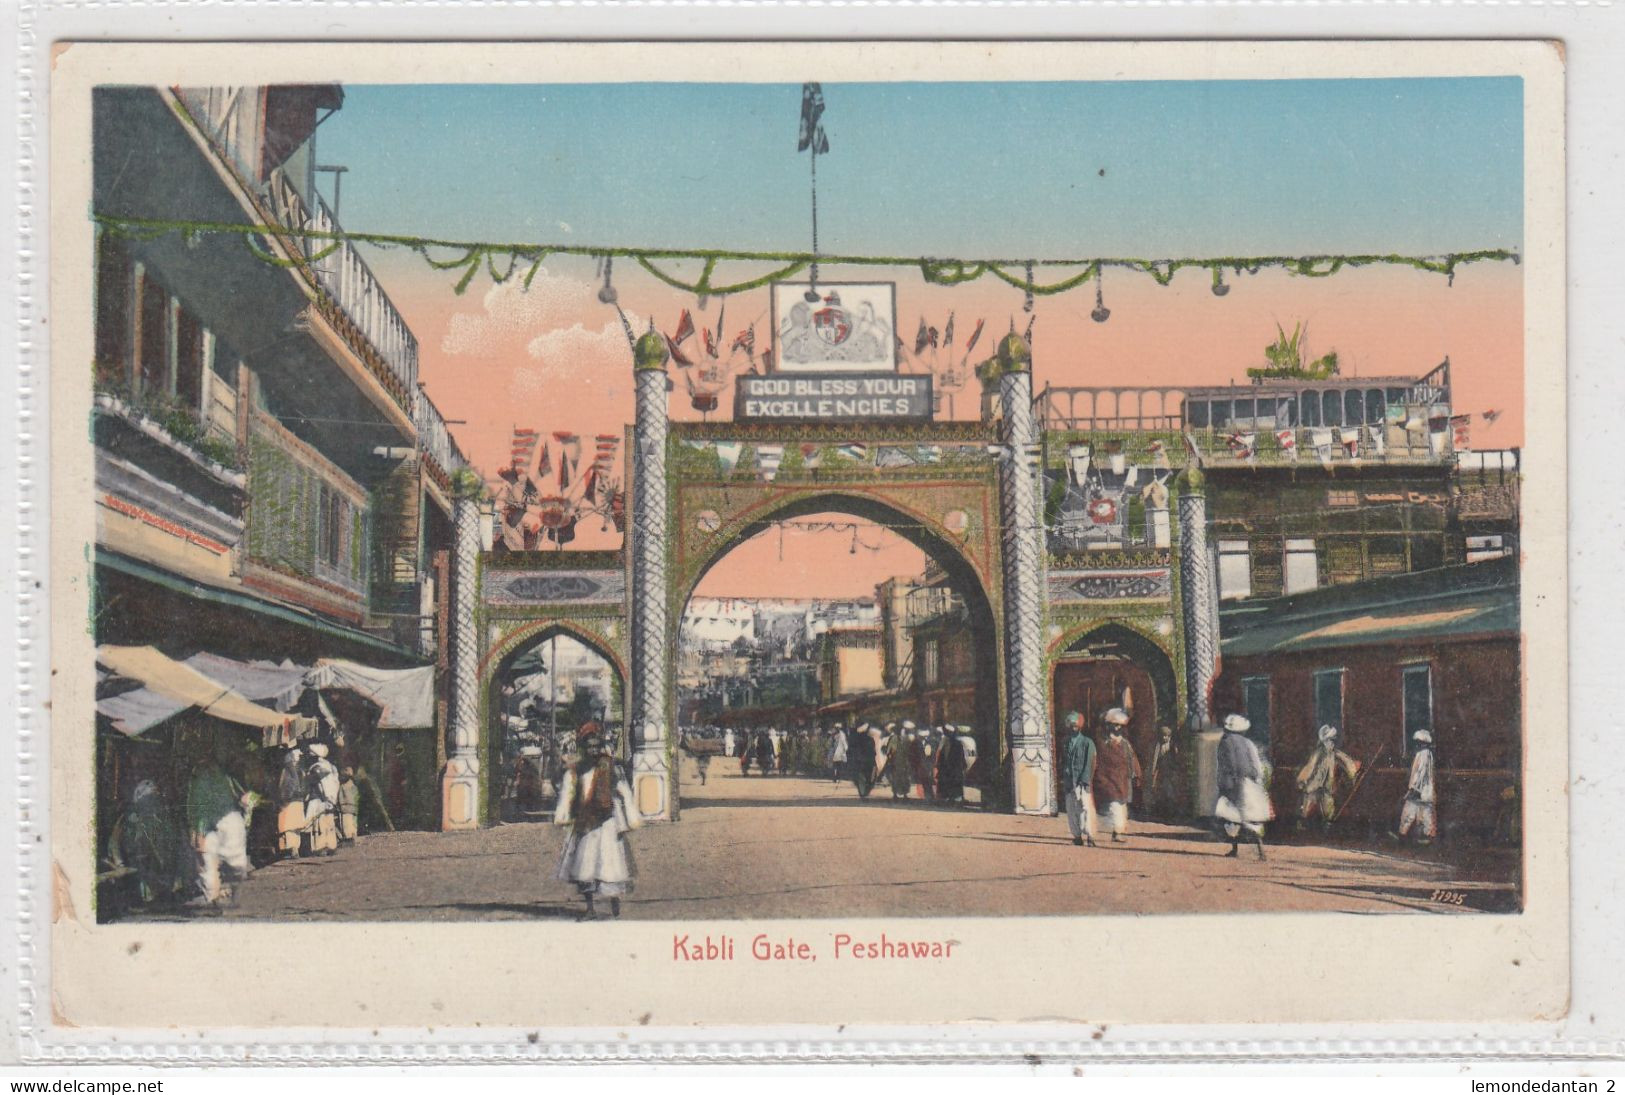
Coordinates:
(954,543)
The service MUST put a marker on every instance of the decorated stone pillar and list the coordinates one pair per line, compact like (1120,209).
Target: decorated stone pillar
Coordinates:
(460,785)
(1027,706)
(1199,599)
(651,686)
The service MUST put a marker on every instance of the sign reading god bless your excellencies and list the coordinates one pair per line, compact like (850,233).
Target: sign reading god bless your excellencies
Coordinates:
(835,359)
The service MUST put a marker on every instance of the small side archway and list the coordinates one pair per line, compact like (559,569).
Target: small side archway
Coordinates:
(517,722)
(1112,665)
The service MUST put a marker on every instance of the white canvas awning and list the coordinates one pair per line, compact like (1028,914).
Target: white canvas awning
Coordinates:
(168,687)
(405,697)
(274,684)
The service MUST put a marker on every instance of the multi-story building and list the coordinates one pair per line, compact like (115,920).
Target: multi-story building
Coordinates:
(272,483)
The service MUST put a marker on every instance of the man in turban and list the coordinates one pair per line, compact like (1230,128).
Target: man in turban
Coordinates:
(1117,773)
(321,802)
(1078,775)
(596,803)
(1420,792)
(1317,779)
(1243,805)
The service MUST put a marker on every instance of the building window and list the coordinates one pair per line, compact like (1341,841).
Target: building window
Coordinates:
(1342,498)
(1196,414)
(1418,700)
(1353,408)
(1480,548)
(1301,569)
(930,662)
(1329,698)
(1309,404)
(114,290)
(1255,698)
(1235,569)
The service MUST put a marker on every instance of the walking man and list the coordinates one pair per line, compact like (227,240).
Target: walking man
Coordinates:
(594,803)
(838,750)
(1243,805)
(1317,780)
(1117,772)
(219,829)
(1078,774)
(323,800)
(1420,795)
(290,817)
(861,760)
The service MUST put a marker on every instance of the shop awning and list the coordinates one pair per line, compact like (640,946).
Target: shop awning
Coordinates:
(273,684)
(404,697)
(168,687)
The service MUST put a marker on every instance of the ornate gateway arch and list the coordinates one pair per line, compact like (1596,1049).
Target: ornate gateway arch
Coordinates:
(979,497)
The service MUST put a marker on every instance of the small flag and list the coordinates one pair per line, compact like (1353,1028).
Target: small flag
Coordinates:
(1490,417)
(544,465)
(710,344)
(590,491)
(685,329)
(678,358)
(1461,431)
(922,337)
(510,474)
(931,337)
(970,343)
(1287,442)
(811,133)
(746,340)
(948,332)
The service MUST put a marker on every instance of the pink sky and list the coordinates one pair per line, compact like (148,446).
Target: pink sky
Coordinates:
(555,358)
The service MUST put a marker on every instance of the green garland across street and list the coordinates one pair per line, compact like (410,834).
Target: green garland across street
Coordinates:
(505,261)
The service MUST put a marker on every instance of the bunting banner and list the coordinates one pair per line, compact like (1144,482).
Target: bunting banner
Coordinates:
(1287,442)
(1378,436)
(856,453)
(1322,442)
(1078,462)
(768,458)
(1244,446)
(1349,438)
(728,455)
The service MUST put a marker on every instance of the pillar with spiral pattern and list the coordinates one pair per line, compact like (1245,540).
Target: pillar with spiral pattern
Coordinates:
(1199,598)
(652,791)
(1021,535)
(460,786)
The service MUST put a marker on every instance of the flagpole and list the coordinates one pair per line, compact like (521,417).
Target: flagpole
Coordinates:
(812,290)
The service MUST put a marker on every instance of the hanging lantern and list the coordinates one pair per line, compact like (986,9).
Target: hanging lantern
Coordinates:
(1103,511)
(608,295)
(1219,287)
(1101,313)
(704,402)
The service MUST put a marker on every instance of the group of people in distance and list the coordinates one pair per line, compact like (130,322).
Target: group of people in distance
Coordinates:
(1104,778)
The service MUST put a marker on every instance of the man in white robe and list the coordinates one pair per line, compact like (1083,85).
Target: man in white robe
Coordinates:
(1420,793)
(1243,805)
(322,803)
(596,803)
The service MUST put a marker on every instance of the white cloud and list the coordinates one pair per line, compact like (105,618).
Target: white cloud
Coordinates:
(511,314)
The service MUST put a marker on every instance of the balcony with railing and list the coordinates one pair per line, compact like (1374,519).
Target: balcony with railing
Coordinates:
(234,122)
(440,452)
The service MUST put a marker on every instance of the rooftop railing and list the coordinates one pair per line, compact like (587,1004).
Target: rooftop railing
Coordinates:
(434,437)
